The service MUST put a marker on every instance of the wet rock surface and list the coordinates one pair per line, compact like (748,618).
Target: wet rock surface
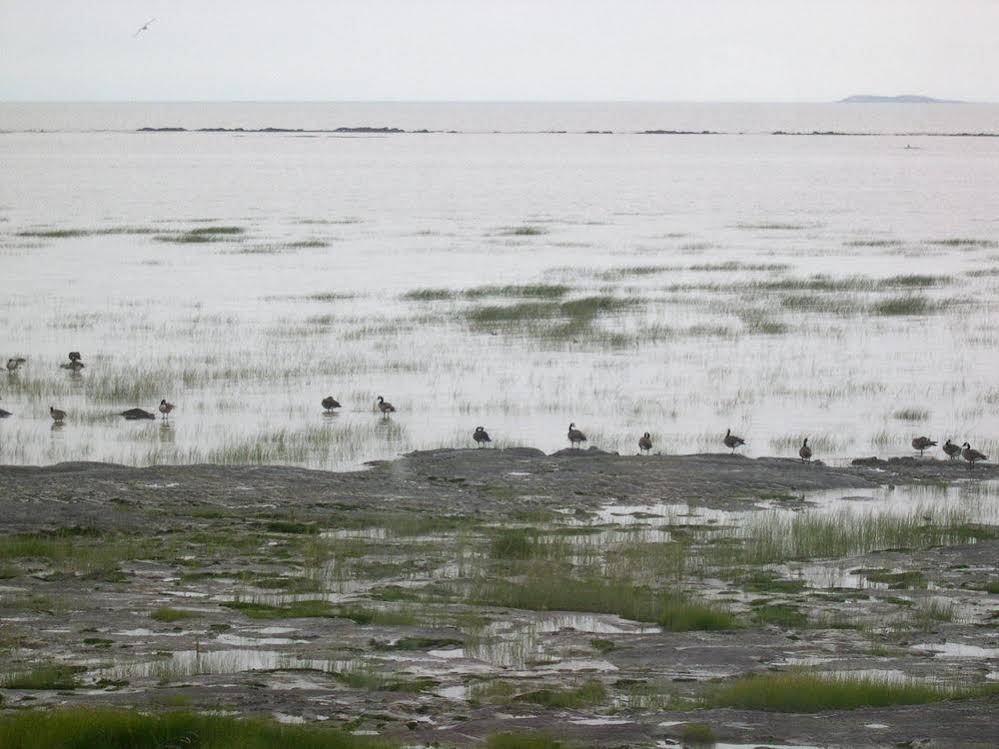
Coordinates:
(353,598)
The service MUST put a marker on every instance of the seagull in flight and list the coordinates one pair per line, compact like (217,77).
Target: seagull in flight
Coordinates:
(143,27)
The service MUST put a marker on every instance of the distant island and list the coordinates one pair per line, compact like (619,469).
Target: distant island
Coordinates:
(904,99)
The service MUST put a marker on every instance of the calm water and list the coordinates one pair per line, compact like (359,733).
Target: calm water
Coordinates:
(247,335)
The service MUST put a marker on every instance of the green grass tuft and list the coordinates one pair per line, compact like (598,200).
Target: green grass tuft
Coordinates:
(697,734)
(590,694)
(51,676)
(552,592)
(524,231)
(168,614)
(84,728)
(429,295)
(905,305)
(807,693)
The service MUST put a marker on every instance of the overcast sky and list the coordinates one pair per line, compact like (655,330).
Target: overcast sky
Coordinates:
(658,50)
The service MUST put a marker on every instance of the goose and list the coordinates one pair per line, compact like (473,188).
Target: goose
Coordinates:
(329,403)
(972,455)
(13,364)
(166,408)
(645,443)
(385,407)
(922,443)
(58,416)
(951,449)
(805,452)
(4,414)
(576,437)
(481,436)
(134,414)
(731,441)
(74,365)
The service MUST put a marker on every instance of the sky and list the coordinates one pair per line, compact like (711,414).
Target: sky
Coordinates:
(500,50)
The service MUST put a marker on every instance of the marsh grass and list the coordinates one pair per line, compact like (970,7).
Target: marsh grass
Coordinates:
(523,231)
(50,676)
(76,728)
(429,295)
(930,612)
(553,592)
(910,305)
(168,614)
(773,537)
(912,413)
(318,608)
(819,442)
(72,233)
(291,610)
(698,734)
(807,693)
(916,280)
(965,242)
(588,694)
(532,291)
(522,291)
(874,243)
(202,234)
(555,321)
(303,446)
(73,549)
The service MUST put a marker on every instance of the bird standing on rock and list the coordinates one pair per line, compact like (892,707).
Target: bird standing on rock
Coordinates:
(922,443)
(481,436)
(805,452)
(951,449)
(645,443)
(576,437)
(972,456)
(731,441)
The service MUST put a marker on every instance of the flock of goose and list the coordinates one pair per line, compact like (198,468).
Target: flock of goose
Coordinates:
(481,437)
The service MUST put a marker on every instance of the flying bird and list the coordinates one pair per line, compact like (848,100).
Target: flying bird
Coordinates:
(143,27)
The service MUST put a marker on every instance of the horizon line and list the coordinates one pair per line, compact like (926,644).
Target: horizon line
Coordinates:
(473,101)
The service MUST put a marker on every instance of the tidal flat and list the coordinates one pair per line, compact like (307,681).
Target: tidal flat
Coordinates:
(452,597)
